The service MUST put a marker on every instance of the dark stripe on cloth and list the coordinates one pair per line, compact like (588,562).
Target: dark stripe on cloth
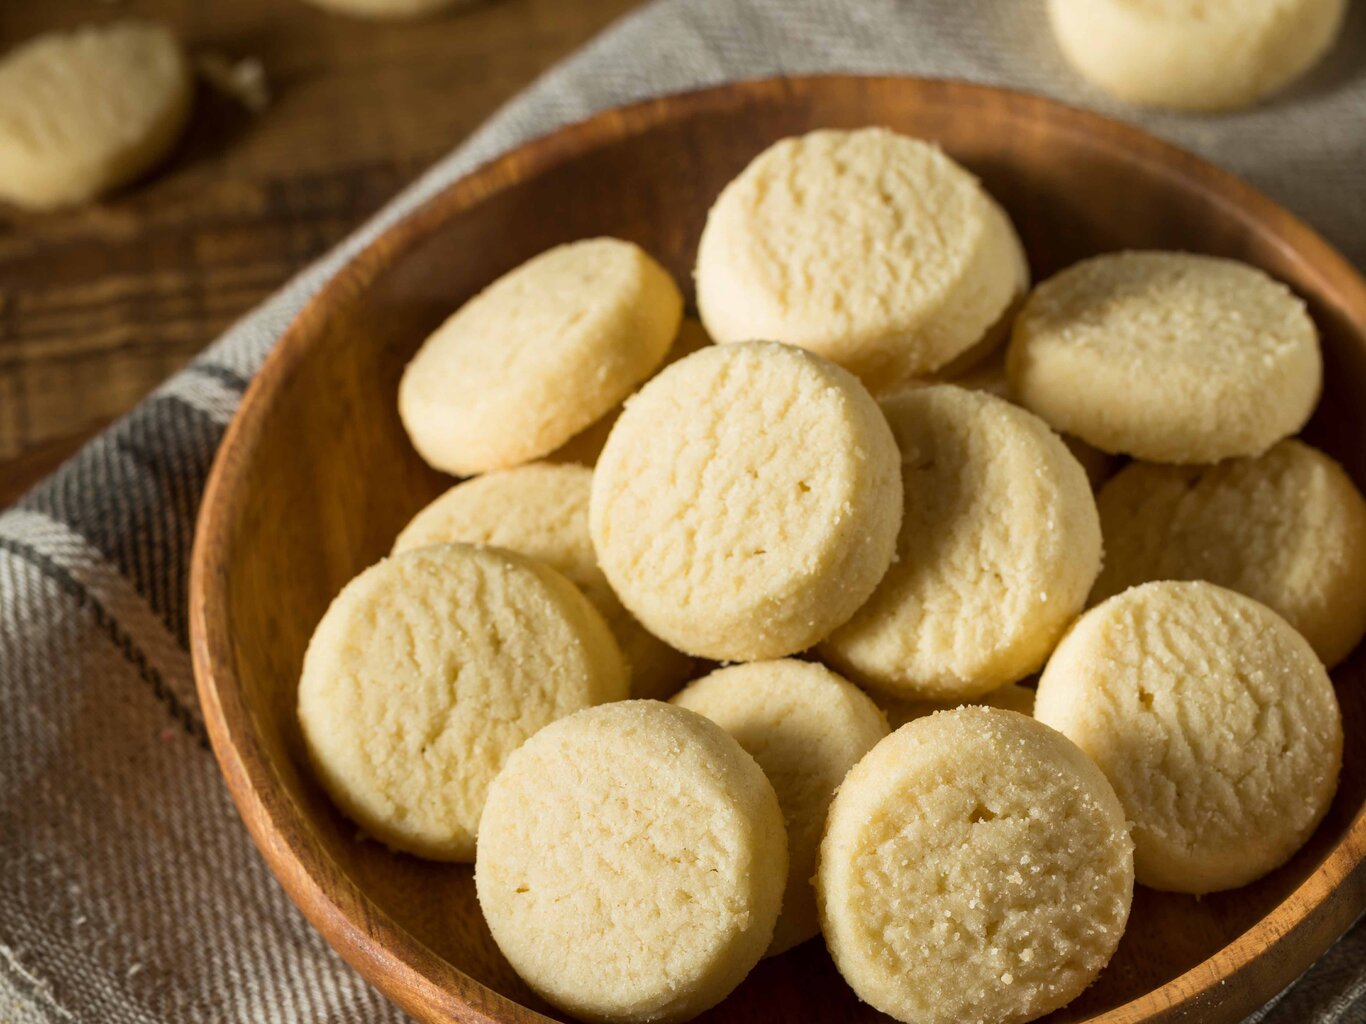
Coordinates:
(223,374)
(134,493)
(78,592)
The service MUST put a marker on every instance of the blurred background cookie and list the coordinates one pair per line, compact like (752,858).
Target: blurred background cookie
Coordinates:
(1194,54)
(83,112)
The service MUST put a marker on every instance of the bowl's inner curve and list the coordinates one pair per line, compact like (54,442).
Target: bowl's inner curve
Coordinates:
(338,479)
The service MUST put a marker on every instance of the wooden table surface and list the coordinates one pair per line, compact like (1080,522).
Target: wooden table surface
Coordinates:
(99,304)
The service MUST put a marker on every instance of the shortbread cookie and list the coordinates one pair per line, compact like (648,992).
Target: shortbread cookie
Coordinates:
(538,355)
(1167,356)
(747,501)
(1287,528)
(990,376)
(585,446)
(806,727)
(1213,719)
(976,867)
(1194,55)
(870,248)
(541,511)
(86,111)
(631,863)
(999,546)
(387,9)
(428,670)
(1012,697)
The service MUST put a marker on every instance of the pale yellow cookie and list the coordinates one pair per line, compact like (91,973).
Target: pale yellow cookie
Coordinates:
(870,248)
(806,727)
(999,546)
(538,355)
(631,863)
(541,511)
(1167,356)
(86,111)
(990,376)
(1012,697)
(1213,719)
(1194,54)
(585,446)
(976,867)
(747,501)
(387,9)
(1287,528)
(428,670)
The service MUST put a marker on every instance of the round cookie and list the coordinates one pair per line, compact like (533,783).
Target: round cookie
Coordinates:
(870,248)
(1287,528)
(585,446)
(747,501)
(976,866)
(86,111)
(538,355)
(999,546)
(541,511)
(1194,55)
(1167,356)
(428,670)
(1012,697)
(806,727)
(386,9)
(1214,721)
(631,863)
(990,376)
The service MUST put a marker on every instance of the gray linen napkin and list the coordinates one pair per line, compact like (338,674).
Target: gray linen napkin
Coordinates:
(129,891)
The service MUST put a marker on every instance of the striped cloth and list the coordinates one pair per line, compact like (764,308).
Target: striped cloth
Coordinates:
(129,891)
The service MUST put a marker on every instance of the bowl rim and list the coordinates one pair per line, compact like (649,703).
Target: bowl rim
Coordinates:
(387,955)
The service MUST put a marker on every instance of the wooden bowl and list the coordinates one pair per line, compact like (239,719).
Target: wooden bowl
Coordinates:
(315,477)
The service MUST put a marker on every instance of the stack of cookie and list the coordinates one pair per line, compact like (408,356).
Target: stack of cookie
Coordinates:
(869,513)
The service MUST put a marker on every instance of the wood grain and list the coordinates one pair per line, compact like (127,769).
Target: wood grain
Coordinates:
(101,303)
(321,421)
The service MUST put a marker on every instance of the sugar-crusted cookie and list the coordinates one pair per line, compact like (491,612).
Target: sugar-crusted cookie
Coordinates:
(585,446)
(86,111)
(990,376)
(806,727)
(538,355)
(1167,356)
(1287,528)
(747,501)
(1194,55)
(541,511)
(1012,697)
(428,670)
(999,546)
(976,866)
(631,863)
(870,248)
(1213,719)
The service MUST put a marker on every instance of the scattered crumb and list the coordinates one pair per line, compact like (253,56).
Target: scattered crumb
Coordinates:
(243,80)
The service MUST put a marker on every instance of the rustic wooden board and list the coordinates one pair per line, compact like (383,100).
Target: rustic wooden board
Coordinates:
(99,304)
(321,421)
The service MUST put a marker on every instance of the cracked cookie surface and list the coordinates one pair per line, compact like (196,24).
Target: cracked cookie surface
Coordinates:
(747,501)
(541,510)
(631,863)
(1213,719)
(868,247)
(976,867)
(1166,356)
(539,355)
(999,546)
(428,670)
(806,727)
